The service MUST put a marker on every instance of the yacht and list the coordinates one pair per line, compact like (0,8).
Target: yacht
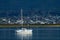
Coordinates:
(24,31)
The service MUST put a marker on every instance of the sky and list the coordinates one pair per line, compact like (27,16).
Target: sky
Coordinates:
(27,4)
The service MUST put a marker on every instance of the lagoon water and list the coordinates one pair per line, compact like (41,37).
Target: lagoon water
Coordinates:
(37,34)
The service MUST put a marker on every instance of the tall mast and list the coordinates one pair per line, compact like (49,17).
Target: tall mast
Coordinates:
(21,16)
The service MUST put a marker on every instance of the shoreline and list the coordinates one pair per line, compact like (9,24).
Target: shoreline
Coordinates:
(29,25)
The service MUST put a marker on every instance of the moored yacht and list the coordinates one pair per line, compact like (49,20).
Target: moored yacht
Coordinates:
(24,31)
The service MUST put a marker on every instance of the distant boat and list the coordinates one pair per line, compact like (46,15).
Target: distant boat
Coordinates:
(24,31)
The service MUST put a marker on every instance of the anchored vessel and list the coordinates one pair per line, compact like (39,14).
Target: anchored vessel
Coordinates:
(23,31)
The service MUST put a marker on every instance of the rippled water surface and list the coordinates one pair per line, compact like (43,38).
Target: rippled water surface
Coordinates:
(37,34)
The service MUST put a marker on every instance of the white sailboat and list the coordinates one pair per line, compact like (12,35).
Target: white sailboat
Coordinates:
(23,31)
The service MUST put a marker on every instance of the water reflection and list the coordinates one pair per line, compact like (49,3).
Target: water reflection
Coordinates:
(36,34)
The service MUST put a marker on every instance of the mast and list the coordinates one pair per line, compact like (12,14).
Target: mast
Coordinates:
(22,17)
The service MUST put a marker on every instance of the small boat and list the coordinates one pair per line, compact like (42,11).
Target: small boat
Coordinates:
(24,31)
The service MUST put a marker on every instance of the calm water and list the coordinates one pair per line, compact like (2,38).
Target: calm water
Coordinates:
(38,34)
